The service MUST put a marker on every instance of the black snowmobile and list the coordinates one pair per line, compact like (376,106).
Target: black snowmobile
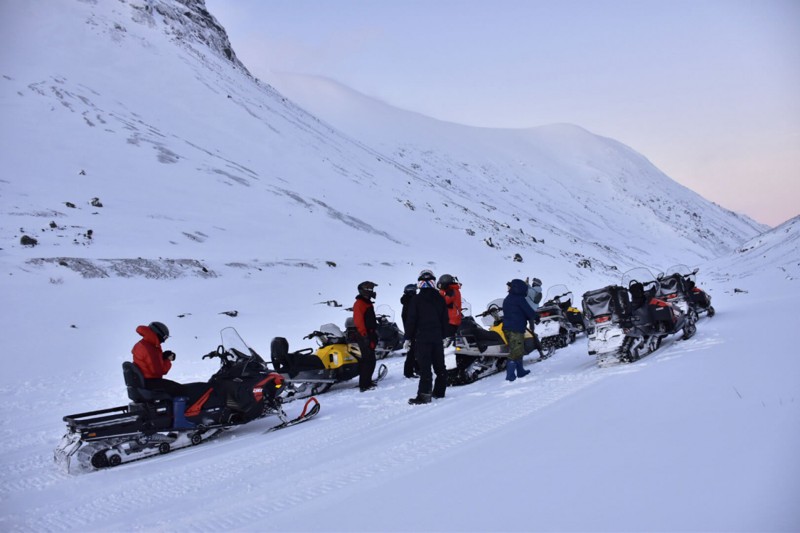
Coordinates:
(309,371)
(390,337)
(559,322)
(481,352)
(678,285)
(604,310)
(242,390)
(650,319)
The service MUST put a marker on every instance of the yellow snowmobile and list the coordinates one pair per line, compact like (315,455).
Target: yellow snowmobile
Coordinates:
(309,371)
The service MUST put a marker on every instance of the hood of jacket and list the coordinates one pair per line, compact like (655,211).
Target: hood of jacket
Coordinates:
(518,287)
(148,335)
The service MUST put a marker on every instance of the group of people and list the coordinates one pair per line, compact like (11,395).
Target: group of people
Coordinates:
(431,313)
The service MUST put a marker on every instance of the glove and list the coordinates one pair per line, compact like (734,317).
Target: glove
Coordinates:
(169,354)
(407,345)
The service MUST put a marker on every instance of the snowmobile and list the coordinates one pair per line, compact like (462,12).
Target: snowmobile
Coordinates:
(390,337)
(309,371)
(242,390)
(650,319)
(558,319)
(677,285)
(605,310)
(483,351)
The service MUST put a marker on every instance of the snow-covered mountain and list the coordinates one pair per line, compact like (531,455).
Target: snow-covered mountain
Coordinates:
(777,248)
(142,107)
(565,178)
(161,182)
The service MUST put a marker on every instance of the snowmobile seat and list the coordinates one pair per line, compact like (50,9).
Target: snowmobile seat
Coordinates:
(304,360)
(137,392)
(471,331)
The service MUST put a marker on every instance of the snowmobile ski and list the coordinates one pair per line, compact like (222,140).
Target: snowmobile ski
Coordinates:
(306,415)
(382,371)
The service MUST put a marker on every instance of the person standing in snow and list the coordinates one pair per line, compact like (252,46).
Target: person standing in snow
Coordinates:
(410,365)
(534,296)
(450,289)
(367,327)
(426,325)
(517,313)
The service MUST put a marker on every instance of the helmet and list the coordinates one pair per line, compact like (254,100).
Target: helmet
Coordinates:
(427,283)
(445,281)
(536,282)
(410,289)
(365,289)
(161,331)
(426,275)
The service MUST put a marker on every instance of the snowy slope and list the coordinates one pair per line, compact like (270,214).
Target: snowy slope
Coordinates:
(701,435)
(569,176)
(777,248)
(177,142)
(218,193)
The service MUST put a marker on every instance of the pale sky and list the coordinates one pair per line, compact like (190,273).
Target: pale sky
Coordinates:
(708,90)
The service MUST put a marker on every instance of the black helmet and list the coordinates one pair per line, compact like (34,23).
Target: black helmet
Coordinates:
(445,281)
(411,288)
(365,289)
(426,275)
(161,331)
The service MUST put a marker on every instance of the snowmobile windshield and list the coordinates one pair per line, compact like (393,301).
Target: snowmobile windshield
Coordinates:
(234,345)
(641,274)
(333,334)
(558,294)
(682,270)
(493,313)
(385,311)
(466,308)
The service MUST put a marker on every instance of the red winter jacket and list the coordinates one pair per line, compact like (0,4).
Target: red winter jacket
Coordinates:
(452,297)
(365,320)
(148,356)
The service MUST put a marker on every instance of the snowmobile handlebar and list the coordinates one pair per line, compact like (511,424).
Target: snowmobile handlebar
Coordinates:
(490,311)
(213,353)
(219,352)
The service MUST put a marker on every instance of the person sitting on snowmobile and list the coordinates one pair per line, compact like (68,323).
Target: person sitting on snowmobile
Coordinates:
(410,365)
(367,337)
(517,313)
(154,363)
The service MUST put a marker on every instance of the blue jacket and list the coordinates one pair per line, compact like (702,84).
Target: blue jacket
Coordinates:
(517,312)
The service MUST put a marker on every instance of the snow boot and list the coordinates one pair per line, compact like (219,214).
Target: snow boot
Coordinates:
(421,399)
(373,385)
(511,367)
(521,372)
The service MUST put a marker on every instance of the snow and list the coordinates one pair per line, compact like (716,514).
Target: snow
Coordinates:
(702,435)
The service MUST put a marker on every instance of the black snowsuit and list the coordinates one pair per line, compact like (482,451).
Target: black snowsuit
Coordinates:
(364,317)
(426,324)
(410,365)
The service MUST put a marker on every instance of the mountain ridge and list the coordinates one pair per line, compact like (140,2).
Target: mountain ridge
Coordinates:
(152,94)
